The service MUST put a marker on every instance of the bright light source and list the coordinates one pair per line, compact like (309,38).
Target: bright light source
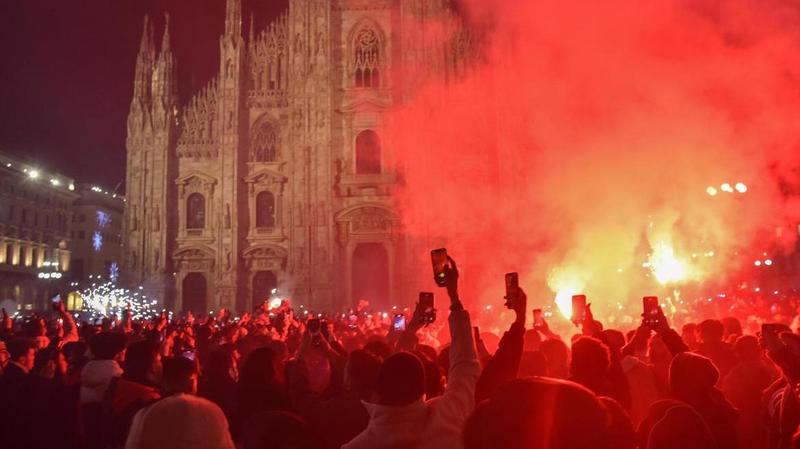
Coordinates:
(757,263)
(741,187)
(72,186)
(8,164)
(55,182)
(665,266)
(768,262)
(758,289)
(33,174)
(726,188)
(711,191)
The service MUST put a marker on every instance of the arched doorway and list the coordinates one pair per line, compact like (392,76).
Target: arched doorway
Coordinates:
(371,275)
(263,283)
(195,294)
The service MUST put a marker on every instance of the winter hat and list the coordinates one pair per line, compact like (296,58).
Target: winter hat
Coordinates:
(691,374)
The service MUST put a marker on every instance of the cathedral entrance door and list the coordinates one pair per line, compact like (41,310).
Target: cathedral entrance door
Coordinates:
(371,275)
(195,294)
(263,283)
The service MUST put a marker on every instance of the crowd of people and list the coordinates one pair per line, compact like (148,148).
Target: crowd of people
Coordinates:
(294,379)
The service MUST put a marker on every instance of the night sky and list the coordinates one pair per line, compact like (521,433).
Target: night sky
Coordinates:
(66,74)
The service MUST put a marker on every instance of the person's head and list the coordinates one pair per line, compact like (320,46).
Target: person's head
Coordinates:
(179,375)
(673,424)
(22,351)
(711,331)
(657,351)
(590,358)
(532,363)
(689,334)
(379,347)
(733,327)
(621,433)
(434,376)
(50,363)
(143,362)
(747,348)
(557,354)
(258,368)
(361,373)
(614,339)
(691,376)
(108,346)
(223,364)
(532,340)
(401,380)
(539,413)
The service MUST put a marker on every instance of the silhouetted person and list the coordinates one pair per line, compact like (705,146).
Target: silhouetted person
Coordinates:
(540,413)
(711,345)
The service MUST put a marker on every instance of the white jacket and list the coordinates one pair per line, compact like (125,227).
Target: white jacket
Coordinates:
(439,422)
(96,377)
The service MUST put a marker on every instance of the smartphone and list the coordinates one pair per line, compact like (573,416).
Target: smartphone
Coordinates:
(55,299)
(651,311)
(770,331)
(189,355)
(353,321)
(578,308)
(313,327)
(426,307)
(538,319)
(399,322)
(439,262)
(512,289)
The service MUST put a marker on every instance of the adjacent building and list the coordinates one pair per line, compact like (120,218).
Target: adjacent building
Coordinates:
(96,233)
(277,172)
(35,247)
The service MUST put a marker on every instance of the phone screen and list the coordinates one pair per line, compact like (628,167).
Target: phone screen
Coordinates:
(313,326)
(652,311)
(426,307)
(55,299)
(399,322)
(512,288)
(439,262)
(578,308)
(538,319)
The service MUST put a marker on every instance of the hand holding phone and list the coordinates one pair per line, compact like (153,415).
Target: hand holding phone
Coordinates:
(578,309)
(399,322)
(425,310)
(512,290)
(651,312)
(439,262)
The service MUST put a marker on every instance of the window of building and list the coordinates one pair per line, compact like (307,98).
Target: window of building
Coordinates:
(265,210)
(195,211)
(368,153)
(367,59)
(264,146)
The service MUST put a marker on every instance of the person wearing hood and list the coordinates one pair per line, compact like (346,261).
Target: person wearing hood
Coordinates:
(108,349)
(692,380)
(401,417)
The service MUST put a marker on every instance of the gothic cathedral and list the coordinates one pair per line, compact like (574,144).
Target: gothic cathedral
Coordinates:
(276,175)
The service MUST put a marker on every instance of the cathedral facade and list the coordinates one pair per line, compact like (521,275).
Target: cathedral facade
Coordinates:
(278,174)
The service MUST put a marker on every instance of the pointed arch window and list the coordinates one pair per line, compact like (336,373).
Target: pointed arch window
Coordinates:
(368,153)
(265,210)
(196,211)
(367,59)
(264,144)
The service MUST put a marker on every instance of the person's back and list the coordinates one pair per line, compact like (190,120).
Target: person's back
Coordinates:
(541,413)
(744,385)
(713,347)
(401,418)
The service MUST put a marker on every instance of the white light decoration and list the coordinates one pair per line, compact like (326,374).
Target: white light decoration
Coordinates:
(768,262)
(97,241)
(741,187)
(55,182)
(72,187)
(113,272)
(711,191)
(757,263)
(726,188)
(33,174)
(106,300)
(103,219)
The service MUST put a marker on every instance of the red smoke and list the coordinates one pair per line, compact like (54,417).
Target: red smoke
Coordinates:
(587,135)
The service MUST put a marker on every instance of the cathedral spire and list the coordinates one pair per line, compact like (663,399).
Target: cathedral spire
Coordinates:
(144,44)
(252,31)
(233,19)
(165,44)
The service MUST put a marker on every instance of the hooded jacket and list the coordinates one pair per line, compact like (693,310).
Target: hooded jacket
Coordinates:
(437,423)
(95,379)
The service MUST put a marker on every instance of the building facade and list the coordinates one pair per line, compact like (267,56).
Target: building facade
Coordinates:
(96,234)
(278,174)
(35,251)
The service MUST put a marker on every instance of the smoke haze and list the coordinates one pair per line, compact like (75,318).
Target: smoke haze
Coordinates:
(585,142)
